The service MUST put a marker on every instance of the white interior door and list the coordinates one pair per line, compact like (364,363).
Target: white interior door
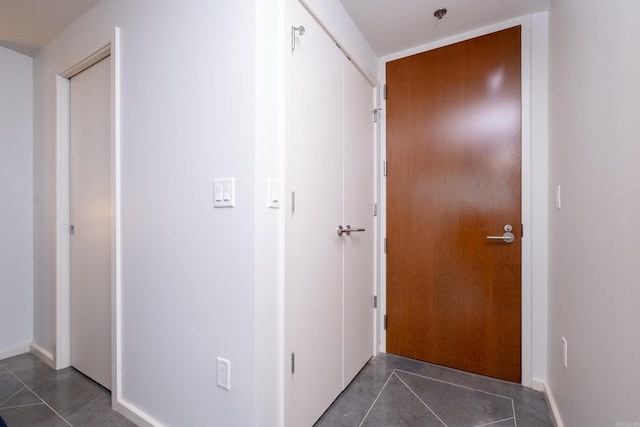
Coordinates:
(358,213)
(314,257)
(90,165)
(328,306)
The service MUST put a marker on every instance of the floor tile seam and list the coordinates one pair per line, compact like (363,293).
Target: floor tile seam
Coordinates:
(456,385)
(375,400)
(41,399)
(91,401)
(22,406)
(421,401)
(12,396)
(496,422)
(513,408)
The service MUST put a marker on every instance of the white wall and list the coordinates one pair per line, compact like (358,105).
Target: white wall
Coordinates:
(188,271)
(16,208)
(271,46)
(594,292)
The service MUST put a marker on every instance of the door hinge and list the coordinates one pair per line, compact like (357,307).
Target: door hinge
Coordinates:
(293,363)
(384,168)
(375,112)
(384,91)
(375,301)
(375,209)
(293,202)
(385,245)
(521,230)
(385,322)
(72,230)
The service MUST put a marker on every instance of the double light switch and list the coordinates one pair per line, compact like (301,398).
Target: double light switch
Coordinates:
(224,193)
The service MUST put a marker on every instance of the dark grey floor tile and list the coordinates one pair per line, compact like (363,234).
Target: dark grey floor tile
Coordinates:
(505,423)
(32,416)
(398,406)
(456,405)
(21,361)
(352,405)
(22,397)
(66,390)
(98,413)
(9,385)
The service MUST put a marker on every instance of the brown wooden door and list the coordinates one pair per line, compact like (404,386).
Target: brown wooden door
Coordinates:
(454,178)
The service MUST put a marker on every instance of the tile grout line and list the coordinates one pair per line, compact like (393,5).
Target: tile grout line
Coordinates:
(421,401)
(496,422)
(38,396)
(515,420)
(10,397)
(376,399)
(22,406)
(456,385)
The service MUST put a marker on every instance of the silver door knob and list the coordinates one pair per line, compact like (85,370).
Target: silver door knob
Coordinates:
(347,230)
(507,237)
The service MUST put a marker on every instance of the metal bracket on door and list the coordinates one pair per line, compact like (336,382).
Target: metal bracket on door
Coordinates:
(300,30)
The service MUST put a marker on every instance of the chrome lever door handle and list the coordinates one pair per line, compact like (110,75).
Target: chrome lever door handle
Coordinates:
(347,230)
(507,237)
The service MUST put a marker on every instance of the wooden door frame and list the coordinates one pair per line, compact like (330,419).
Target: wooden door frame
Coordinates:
(62,356)
(527,253)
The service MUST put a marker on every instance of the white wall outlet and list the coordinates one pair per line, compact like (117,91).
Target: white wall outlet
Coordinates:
(558,197)
(564,351)
(224,373)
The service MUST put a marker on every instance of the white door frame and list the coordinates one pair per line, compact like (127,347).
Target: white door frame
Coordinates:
(62,356)
(527,253)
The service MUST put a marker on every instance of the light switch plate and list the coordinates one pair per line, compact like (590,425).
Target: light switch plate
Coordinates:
(224,193)
(273,193)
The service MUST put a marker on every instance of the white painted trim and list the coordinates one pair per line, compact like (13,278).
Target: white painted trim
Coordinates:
(43,354)
(15,351)
(527,260)
(63,275)
(136,415)
(63,223)
(553,405)
(526,172)
(537,384)
(116,230)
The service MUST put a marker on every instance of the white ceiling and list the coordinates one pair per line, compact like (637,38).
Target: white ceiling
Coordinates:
(389,25)
(394,25)
(28,25)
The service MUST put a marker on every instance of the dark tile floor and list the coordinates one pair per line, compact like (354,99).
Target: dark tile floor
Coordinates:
(393,391)
(390,391)
(34,395)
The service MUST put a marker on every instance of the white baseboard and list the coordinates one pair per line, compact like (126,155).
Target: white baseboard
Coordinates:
(43,354)
(5,354)
(135,415)
(537,384)
(552,404)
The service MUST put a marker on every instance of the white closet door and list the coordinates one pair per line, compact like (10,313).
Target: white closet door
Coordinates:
(329,167)
(313,313)
(90,164)
(358,213)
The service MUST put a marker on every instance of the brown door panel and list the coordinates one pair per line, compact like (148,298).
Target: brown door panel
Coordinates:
(454,157)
